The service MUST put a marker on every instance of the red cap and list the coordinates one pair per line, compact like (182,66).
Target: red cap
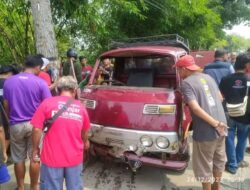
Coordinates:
(187,61)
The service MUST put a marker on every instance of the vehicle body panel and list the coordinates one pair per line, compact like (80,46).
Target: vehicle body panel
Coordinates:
(203,57)
(124,107)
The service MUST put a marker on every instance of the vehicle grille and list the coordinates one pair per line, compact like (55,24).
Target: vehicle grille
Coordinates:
(91,104)
(151,109)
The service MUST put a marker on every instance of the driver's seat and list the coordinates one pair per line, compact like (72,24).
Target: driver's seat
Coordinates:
(141,77)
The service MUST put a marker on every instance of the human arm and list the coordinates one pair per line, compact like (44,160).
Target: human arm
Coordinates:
(85,139)
(231,69)
(190,97)
(6,107)
(52,86)
(85,130)
(2,144)
(36,136)
(45,91)
(220,96)
(222,89)
(199,112)
(37,124)
(85,81)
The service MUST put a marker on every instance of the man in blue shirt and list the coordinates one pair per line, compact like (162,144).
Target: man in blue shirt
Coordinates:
(220,67)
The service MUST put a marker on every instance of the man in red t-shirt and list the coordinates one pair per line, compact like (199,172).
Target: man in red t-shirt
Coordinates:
(64,144)
(86,68)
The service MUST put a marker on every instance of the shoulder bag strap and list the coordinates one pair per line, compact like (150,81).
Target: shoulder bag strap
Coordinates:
(51,120)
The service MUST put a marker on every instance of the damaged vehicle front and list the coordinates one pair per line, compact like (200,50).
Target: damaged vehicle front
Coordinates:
(136,108)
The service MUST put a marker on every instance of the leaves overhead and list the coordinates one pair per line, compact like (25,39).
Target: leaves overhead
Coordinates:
(89,25)
(16,31)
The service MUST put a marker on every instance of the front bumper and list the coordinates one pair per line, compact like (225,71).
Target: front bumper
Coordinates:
(128,157)
(124,140)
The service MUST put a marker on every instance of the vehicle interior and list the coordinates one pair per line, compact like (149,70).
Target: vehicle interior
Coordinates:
(143,71)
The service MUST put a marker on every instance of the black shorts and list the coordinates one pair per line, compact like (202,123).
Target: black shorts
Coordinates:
(5,123)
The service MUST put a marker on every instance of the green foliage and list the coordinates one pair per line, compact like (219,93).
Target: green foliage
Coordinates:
(190,19)
(237,43)
(231,11)
(90,25)
(16,31)
(233,43)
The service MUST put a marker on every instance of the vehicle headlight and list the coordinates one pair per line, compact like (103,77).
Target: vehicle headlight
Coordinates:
(162,142)
(146,141)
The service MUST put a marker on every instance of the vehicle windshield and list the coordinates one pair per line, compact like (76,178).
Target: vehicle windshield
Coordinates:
(150,71)
(160,65)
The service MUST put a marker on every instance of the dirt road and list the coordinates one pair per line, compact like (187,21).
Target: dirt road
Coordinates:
(105,175)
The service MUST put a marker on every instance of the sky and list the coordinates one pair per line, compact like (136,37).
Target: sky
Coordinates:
(240,29)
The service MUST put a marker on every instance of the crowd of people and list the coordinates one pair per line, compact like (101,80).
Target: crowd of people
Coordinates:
(27,105)
(219,104)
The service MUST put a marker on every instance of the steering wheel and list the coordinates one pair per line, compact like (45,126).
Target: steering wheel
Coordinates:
(113,82)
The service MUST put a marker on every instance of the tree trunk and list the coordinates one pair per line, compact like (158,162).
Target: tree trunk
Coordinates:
(44,29)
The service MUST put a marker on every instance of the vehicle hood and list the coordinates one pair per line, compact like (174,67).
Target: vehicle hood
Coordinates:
(123,107)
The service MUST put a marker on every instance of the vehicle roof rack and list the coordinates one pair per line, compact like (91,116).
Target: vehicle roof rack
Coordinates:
(161,40)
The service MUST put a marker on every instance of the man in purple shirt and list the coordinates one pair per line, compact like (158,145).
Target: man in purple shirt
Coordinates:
(23,93)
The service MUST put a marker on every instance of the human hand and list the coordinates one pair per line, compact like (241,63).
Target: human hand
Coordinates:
(72,59)
(86,145)
(35,155)
(221,128)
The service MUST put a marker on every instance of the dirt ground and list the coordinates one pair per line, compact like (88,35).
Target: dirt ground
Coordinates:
(105,175)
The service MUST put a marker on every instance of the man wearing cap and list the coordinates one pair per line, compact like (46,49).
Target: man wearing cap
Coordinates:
(44,71)
(22,95)
(202,96)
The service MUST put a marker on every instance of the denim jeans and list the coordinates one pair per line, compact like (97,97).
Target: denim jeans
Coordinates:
(236,154)
(52,178)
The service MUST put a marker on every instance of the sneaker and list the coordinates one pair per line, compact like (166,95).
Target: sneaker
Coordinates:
(243,164)
(230,170)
